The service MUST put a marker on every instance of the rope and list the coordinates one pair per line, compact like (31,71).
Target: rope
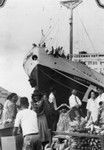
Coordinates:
(86,32)
(46,35)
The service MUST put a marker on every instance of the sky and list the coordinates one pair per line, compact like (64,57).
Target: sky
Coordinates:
(20,26)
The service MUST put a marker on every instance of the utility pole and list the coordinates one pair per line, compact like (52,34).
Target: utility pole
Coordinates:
(71,4)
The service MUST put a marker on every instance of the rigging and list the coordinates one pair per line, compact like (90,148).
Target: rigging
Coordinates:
(99,3)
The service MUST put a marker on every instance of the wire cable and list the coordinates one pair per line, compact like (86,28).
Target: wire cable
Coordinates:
(86,32)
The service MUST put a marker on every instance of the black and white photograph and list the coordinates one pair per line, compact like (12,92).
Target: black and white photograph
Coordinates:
(52,75)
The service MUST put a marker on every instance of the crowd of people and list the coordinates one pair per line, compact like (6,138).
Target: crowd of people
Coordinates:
(36,122)
(72,120)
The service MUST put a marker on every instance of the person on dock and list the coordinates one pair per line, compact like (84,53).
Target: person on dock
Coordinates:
(47,109)
(38,106)
(92,109)
(27,120)
(53,107)
(74,103)
(9,110)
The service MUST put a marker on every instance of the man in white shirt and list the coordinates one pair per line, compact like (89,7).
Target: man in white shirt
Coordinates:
(74,101)
(27,120)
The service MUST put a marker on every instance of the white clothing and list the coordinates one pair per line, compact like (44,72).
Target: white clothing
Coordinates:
(27,119)
(4,110)
(51,97)
(74,101)
(9,111)
(92,107)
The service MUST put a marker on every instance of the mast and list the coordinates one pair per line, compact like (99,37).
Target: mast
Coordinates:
(71,4)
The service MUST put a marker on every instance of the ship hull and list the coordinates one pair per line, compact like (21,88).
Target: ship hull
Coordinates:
(46,71)
(44,78)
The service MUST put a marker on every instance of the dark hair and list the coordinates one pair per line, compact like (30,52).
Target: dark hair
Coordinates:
(91,92)
(100,103)
(10,96)
(36,93)
(45,94)
(24,101)
(53,90)
(74,91)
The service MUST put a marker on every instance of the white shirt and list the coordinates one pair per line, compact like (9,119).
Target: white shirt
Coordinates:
(27,119)
(51,97)
(93,108)
(74,101)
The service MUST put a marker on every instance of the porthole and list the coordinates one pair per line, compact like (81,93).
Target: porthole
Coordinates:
(34,57)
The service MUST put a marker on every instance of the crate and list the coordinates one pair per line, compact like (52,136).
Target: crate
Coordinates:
(8,143)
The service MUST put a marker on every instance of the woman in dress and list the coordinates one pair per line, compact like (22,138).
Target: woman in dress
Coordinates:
(92,108)
(10,110)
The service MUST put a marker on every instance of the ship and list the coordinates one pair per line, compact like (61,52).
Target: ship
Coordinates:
(93,60)
(47,69)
